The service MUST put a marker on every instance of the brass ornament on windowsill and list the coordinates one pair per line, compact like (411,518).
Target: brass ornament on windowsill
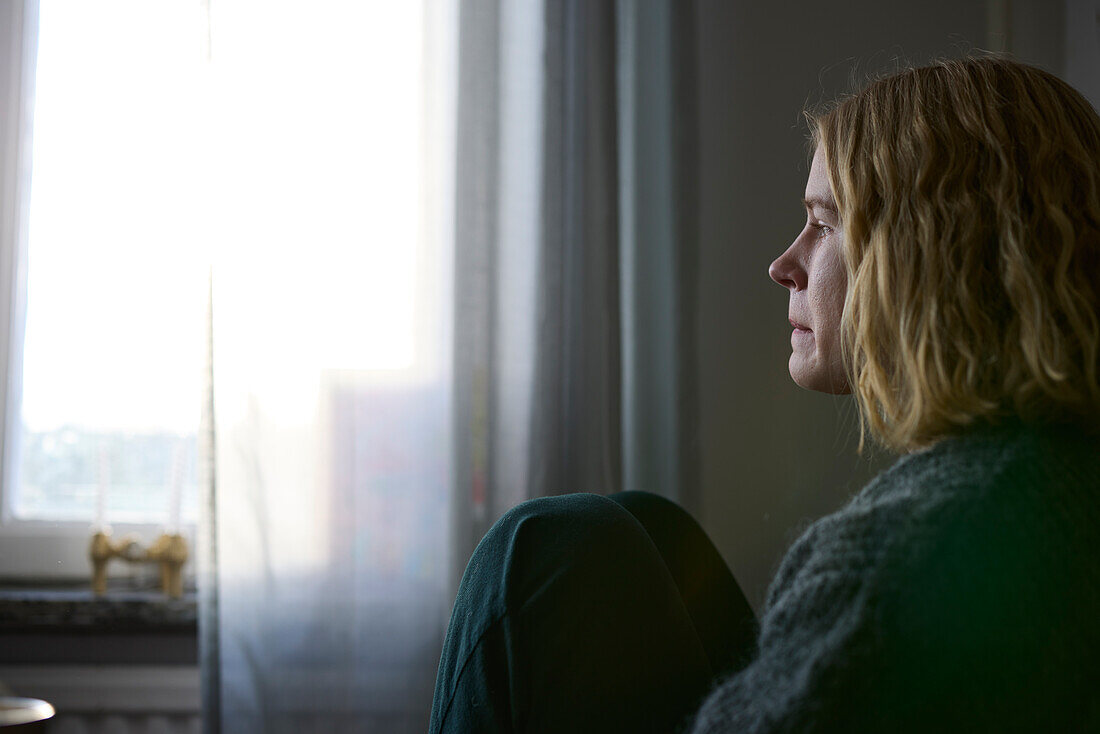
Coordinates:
(169,550)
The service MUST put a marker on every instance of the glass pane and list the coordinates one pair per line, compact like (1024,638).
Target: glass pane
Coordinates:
(116,273)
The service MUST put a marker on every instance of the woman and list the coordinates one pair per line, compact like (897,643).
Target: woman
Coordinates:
(947,277)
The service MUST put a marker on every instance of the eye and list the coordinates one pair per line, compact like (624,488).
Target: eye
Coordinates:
(823,230)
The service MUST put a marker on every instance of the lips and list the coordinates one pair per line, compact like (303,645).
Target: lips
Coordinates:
(797,326)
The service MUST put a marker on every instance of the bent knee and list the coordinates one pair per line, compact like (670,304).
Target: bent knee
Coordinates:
(547,536)
(556,521)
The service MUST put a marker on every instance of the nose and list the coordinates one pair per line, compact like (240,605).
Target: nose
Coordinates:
(787,272)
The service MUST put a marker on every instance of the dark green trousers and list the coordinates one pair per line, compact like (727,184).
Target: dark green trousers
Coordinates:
(585,613)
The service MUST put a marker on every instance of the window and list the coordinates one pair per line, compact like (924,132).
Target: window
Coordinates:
(167,136)
(107,274)
(115,273)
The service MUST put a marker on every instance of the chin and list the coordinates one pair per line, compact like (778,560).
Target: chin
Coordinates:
(828,381)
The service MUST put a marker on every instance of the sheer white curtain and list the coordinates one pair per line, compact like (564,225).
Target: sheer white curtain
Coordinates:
(418,304)
(331,364)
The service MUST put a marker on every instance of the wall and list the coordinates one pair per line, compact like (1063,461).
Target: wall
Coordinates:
(113,699)
(775,457)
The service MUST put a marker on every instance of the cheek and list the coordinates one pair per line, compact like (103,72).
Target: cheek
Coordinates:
(838,278)
(835,296)
(831,286)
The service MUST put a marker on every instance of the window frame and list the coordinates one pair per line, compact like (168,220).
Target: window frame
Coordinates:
(30,550)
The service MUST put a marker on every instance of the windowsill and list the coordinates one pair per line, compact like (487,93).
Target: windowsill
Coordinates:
(62,608)
(69,624)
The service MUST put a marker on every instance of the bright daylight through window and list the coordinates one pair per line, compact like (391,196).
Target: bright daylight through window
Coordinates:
(170,136)
(116,276)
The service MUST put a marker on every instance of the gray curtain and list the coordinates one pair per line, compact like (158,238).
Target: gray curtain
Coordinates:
(582,377)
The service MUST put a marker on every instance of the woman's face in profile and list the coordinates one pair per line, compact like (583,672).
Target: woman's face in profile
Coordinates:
(812,270)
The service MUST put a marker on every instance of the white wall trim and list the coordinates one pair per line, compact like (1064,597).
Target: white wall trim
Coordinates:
(18,41)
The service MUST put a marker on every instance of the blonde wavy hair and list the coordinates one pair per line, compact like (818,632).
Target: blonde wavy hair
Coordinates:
(969,194)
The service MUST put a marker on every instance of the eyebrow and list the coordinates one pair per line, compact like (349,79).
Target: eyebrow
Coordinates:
(827,204)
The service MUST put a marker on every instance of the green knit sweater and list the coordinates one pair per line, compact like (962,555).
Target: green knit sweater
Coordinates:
(958,592)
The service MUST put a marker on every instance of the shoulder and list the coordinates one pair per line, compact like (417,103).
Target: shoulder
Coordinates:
(991,473)
(991,592)
(967,572)
(1011,456)
(1007,500)
(991,510)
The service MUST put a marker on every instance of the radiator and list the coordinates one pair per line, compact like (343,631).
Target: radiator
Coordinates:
(113,699)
